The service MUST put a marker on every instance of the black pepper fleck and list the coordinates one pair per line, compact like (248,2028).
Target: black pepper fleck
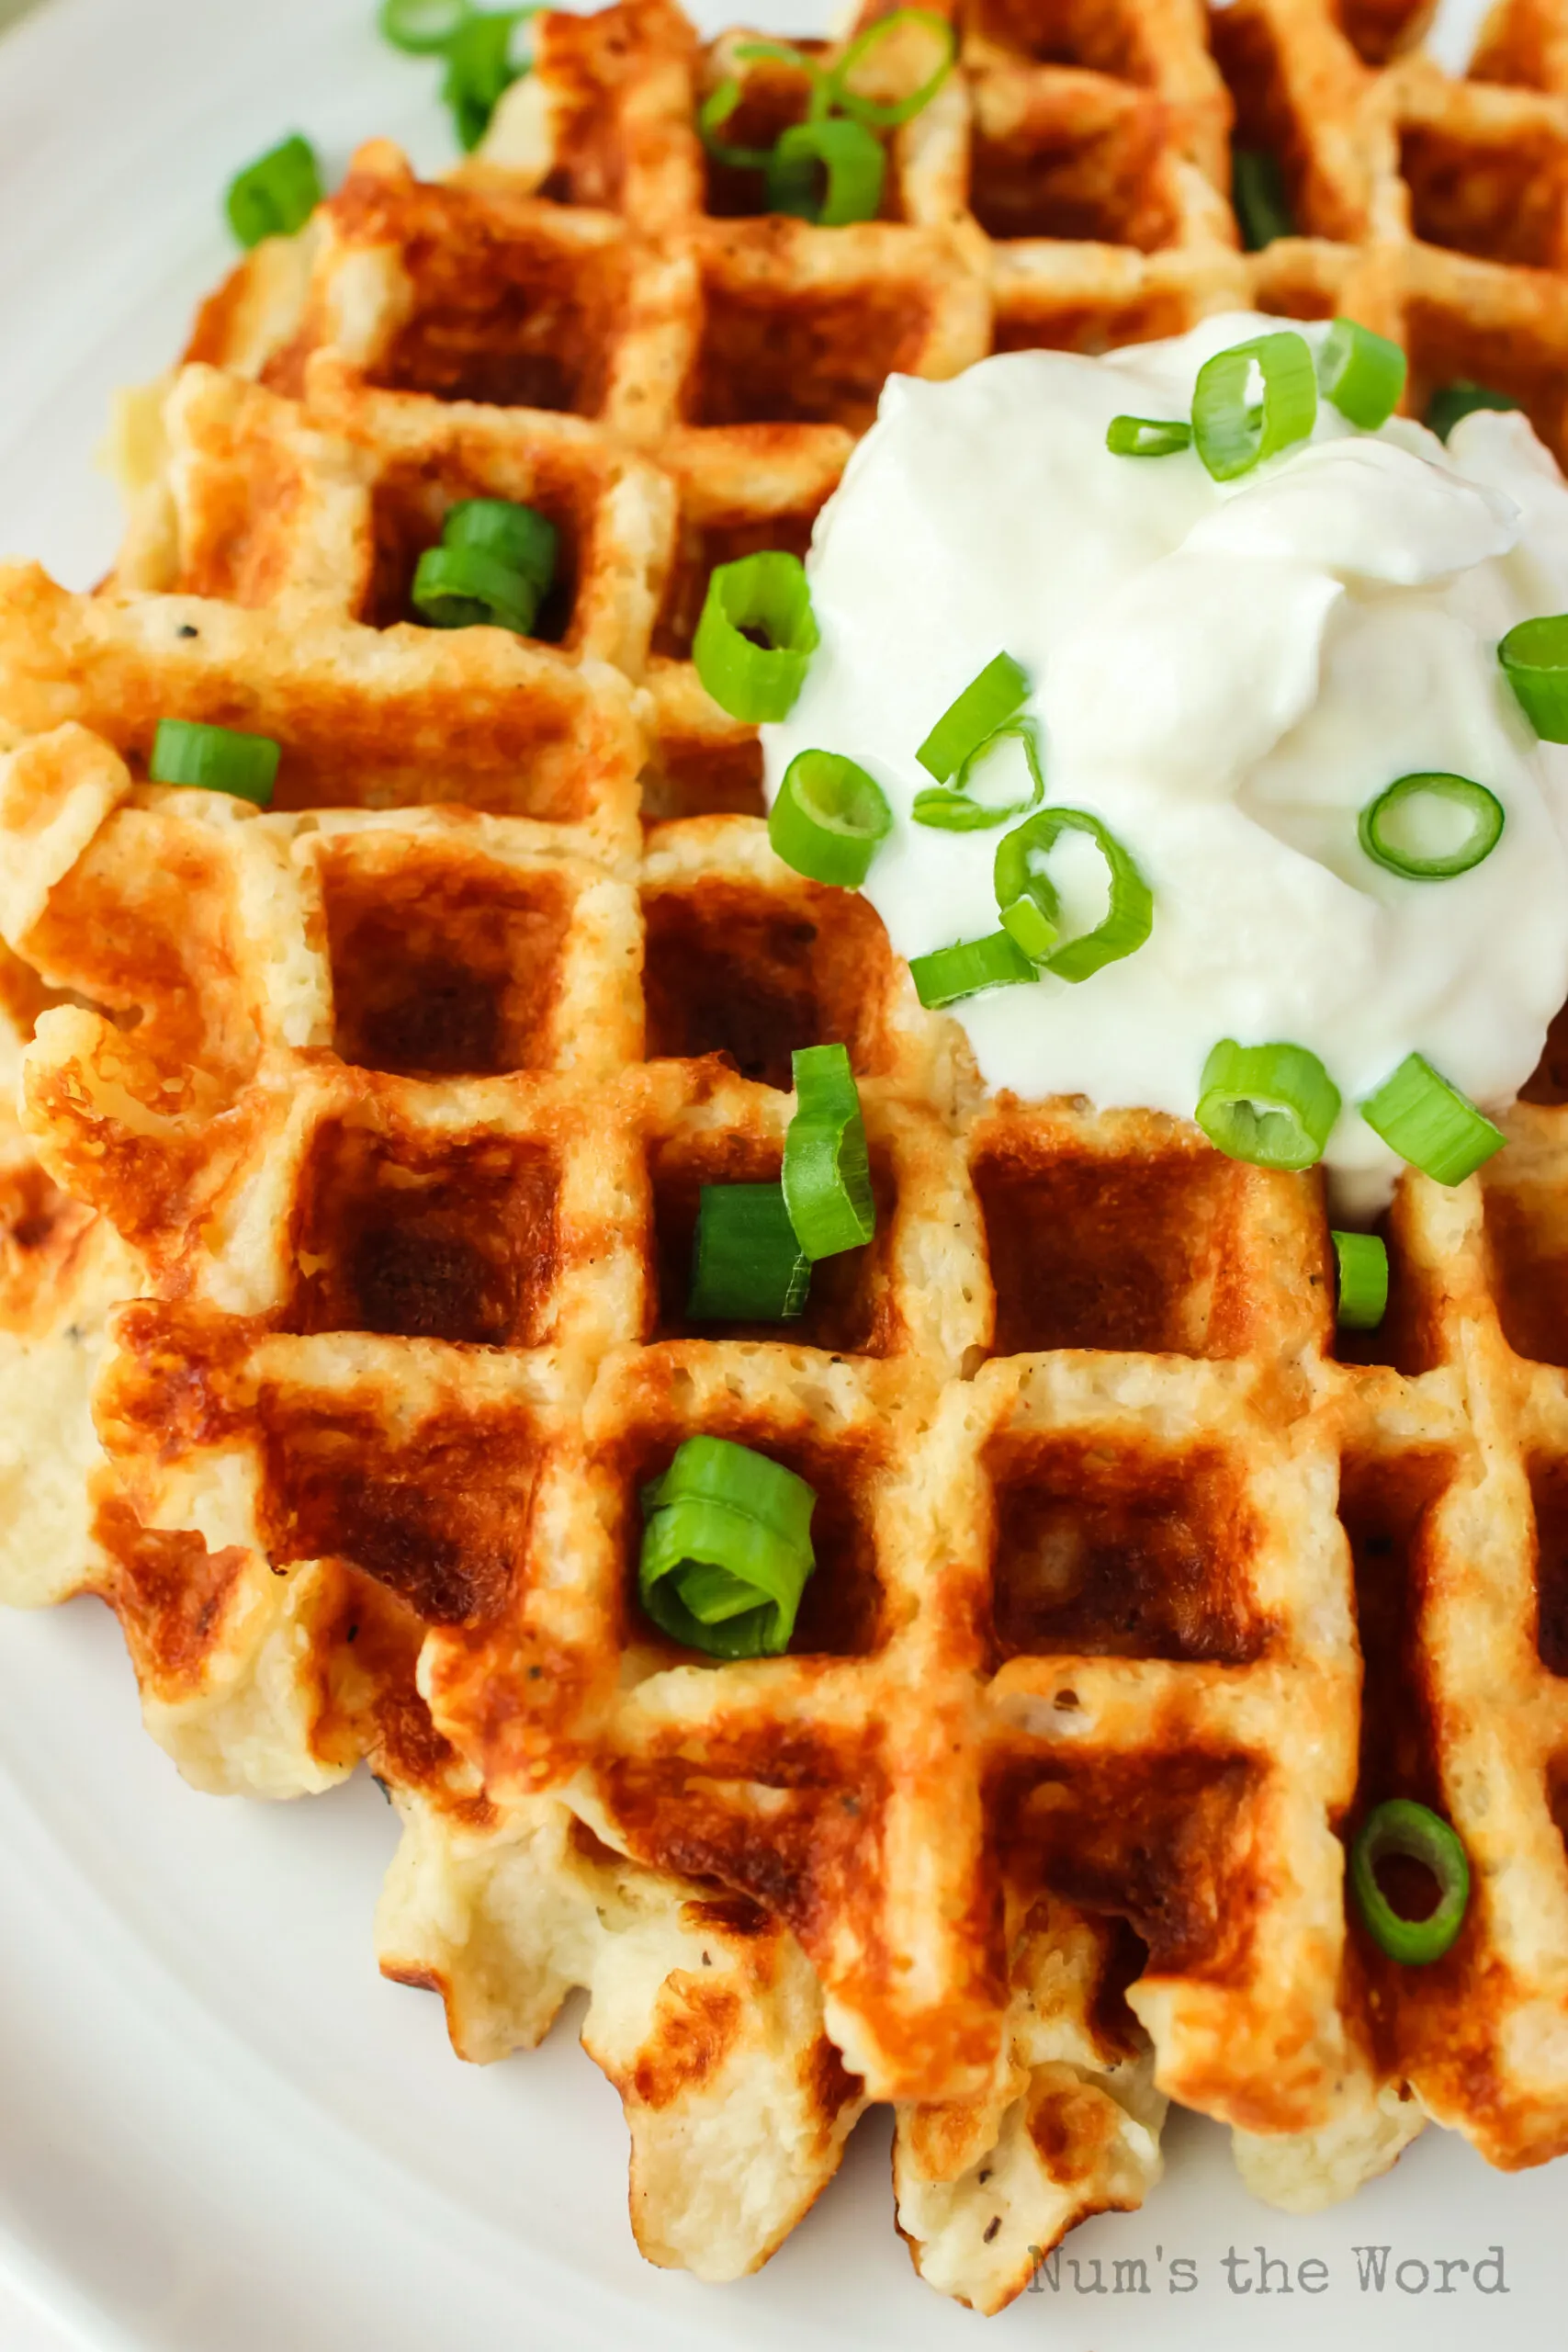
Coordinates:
(185,630)
(992,2227)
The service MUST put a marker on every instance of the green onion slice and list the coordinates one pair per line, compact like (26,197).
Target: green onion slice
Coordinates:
(712,116)
(950,974)
(1146,437)
(1402,1827)
(465,588)
(1235,431)
(1361,1262)
(1534,656)
(1430,1124)
(480,69)
(1272,1105)
(422,27)
(765,595)
(1445,407)
(747,1266)
(970,721)
(1379,827)
(1258,198)
(827,818)
(726,1549)
(1030,910)
(216,759)
(277,194)
(888,115)
(1361,373)
(827,1172)
(950,807)
(853,162)
(518,536)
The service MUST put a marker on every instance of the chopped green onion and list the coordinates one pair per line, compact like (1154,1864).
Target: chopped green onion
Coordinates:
(1379,833)
(1232,431)
(1258,198)
(1535,656)
(422,27)
(1272,1105)
(726,1549)
(765,595)
(747,1266)
(826,1174)
(1361,373)
(888,115)
(1453,401)
(215,759)
(480,69)
(969,721)
(950,974)
(1146,437)
(1362,1260)
(1416,1834)
(277,194)
(827,818)
(464,588)
(1430,1124)
(855,166)
(712,116)
(1030,908)
(518,536)
(950,807)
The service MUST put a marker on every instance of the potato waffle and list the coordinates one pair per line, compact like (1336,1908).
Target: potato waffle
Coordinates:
(402,1098)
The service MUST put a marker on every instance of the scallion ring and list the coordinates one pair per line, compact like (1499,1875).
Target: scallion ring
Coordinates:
(827,818)
(1534,656)
(761,595)
(1274,1106)
(1414,1832)
(746,1265)
(952,809)
(518,536)
(215,759)
(275,196)
(887,115)
(1146,437)
(465,588)
(1234,431)
(830,173)
(1361,373)
(1447,406)
(973,717)
(1430,1124)
(712,116)
(726,1549)
(826,1172)
(950,974)
(1381,825)
(1361,1266)
(480,69)
(422,27)
(1258,198)
(1030,908)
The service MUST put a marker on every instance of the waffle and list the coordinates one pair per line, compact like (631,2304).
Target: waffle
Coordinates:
(401,1099)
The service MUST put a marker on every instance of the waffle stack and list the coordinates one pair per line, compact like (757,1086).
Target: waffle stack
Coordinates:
(387,1114)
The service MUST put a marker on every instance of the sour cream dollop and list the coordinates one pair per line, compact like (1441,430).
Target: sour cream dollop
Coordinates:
(1226,674)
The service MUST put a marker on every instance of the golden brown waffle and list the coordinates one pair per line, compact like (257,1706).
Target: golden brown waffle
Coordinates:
(405,1110)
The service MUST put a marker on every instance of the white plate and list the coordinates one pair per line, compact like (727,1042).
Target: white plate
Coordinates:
(219,2130)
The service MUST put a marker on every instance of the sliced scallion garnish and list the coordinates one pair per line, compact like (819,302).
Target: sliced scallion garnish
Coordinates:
(1430,1124)
(1447,406)
(993,696)
(275,196)
(827,818)
(1362,1266)
(481,66)
(827,1172)
(1384,821)
(830,173)
(746,1265)
(726,1549)
(516,536)
(761,595)
(1414,1833)
(1030,910)
(1361,373)
(952,809)
(950,974)
(887,114)
(1236,422)
(465,588)
(422,27)
(215,759)
(712,116)
(1534,656)
(1146,437)
(1274,1106)
(1258,198)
